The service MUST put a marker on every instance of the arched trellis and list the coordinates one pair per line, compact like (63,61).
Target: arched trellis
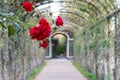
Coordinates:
(92,5)
(91,8)
(68,55)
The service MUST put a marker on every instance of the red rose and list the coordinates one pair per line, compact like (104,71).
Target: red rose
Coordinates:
(40,32)
(43,21)
(59,21)
(44,44)
(34,32)
(27,6)
(45,31)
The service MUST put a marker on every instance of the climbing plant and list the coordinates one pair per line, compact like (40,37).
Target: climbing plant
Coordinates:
(18,54)
(95,24)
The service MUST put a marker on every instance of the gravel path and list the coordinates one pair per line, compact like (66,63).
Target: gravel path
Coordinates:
(59,69)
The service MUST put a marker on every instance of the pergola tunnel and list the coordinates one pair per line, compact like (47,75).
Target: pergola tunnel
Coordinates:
(84,31)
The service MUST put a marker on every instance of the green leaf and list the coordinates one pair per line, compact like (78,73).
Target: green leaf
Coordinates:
(2,25)
(10,30)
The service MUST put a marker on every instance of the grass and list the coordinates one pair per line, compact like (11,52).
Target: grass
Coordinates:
(36,71)
(84,72)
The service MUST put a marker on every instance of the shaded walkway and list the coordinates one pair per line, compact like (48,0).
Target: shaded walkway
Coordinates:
(59,69)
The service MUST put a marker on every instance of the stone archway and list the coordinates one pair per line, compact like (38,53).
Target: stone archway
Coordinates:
(59,45)
(69,39)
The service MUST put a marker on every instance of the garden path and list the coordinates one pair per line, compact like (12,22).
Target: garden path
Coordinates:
(59,69)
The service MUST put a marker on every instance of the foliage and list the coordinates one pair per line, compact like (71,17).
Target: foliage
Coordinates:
(94,38)
(10,30)
(61,49)
(36,71)
(95,43)
(11,22)
(87,74)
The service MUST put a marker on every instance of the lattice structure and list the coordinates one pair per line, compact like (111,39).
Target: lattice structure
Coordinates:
(95,24)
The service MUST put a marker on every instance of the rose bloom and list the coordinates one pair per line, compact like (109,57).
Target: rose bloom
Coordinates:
(59,21)
(27,6)
(45,31)
(40,32)
(34,32)
(44,44)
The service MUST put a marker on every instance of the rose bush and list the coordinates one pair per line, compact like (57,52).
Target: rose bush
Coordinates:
(34,32)
(42,31)
(27,6)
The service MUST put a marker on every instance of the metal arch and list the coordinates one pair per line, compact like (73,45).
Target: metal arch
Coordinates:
(72,28)
(74,14)
(75,3)
(91,13)
(103,6)
(96,9)
(79,10)
(90,4)
(94,6)
(113,5)
(69,20)
(72,21)
(109,3)
(68,12)
(88,11)
(84,19)
(76,11)
(99,2)
(62,11)
(74,24)
(79,3)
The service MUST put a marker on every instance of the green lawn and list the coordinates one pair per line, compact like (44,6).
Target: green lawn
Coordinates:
(36,71)
(84,71)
